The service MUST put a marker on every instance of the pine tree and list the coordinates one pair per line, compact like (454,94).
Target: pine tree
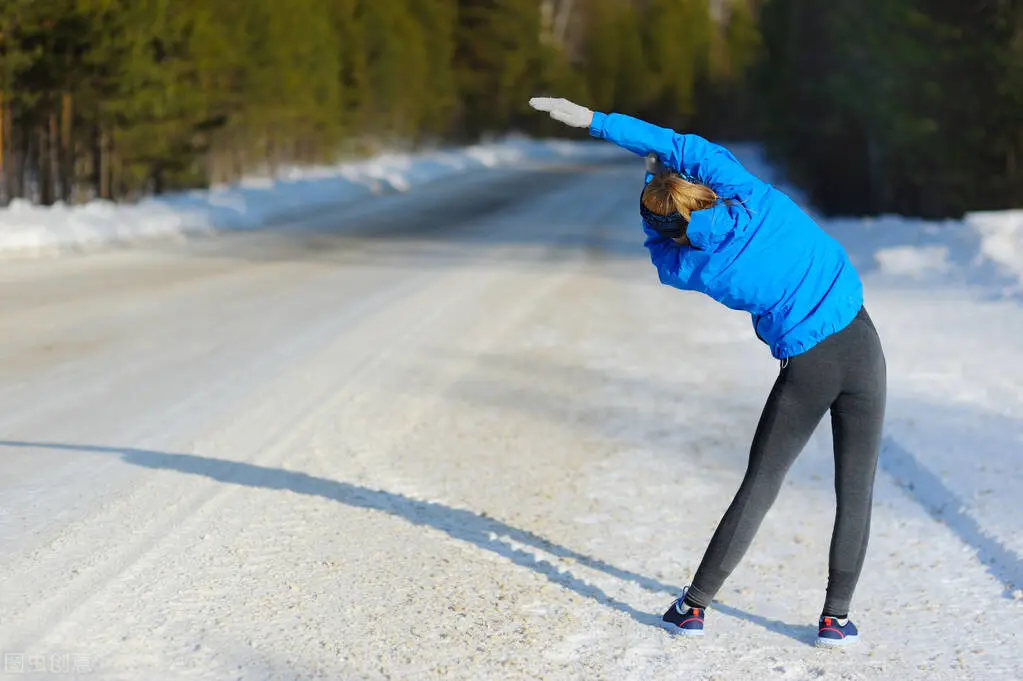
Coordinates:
(439,104)
(678,36)
(498,59)
(893,105)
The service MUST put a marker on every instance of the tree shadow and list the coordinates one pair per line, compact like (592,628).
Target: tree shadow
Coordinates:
(798,632)
(480,530)
(942,504)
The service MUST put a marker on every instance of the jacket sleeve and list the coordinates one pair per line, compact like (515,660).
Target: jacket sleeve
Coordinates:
(689,154)
(665,255)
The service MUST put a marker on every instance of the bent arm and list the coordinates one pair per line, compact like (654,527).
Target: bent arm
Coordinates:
(692,155)
(665,255)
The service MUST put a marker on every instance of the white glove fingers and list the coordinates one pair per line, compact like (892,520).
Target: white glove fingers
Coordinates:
(543,103)
(564,111)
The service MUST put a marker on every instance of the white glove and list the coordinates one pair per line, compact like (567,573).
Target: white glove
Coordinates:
(563,110)
(654,165)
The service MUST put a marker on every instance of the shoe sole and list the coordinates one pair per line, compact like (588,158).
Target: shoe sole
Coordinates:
(689,633)
(678,631)
(837,642)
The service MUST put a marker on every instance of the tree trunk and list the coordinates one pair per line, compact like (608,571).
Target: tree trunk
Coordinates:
(561,21)
(4,199)
(67,160)
(103,169)
(211,159)
(237,159)
(16,178)
(30,160)
(94,162)
(54,163)
(44,172)
(158,180)
(220,158)
(271,153)
(12,165)
(117,184)
(546,20)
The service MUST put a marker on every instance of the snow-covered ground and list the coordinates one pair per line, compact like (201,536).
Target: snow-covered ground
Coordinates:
(27,230)
(462,432)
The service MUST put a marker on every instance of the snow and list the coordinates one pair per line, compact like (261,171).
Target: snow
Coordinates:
(27,230)
(491,448)
(984,251)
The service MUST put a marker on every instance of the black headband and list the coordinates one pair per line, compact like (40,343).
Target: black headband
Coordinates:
(672,226)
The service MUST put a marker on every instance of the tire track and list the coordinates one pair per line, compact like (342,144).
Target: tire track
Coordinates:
(397,322)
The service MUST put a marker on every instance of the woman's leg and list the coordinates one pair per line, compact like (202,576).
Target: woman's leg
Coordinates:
(801,395)
(856,422)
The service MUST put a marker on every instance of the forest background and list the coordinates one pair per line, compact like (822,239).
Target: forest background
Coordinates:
(912,107)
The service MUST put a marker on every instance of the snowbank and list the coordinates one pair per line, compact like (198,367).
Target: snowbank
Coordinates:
(27,230)
(983,250)
(1001,238)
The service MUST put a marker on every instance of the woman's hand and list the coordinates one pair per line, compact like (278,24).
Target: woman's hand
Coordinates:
(654,165)
(563,110)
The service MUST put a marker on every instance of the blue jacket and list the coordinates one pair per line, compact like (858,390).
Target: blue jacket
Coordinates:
(760,254)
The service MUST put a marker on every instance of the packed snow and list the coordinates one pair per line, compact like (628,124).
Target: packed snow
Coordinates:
(486,445)
(28,230)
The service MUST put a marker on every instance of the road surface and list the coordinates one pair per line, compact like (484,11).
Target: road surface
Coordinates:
(464,433)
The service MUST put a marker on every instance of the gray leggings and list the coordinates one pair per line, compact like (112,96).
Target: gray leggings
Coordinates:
(845,373)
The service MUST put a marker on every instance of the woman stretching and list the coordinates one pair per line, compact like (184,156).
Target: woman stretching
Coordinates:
(713,227)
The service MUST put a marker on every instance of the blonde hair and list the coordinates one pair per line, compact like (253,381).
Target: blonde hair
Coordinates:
(668,193)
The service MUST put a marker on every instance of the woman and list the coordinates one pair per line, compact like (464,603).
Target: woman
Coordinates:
(713,227)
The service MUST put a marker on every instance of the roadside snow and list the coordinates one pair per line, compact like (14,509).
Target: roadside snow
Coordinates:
(1001,238)
(982,251)
(27,230)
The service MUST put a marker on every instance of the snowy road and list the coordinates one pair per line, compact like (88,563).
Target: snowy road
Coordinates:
(464,433)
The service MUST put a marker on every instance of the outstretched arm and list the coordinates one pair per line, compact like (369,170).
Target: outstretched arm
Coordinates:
(689,154)
(692,155)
